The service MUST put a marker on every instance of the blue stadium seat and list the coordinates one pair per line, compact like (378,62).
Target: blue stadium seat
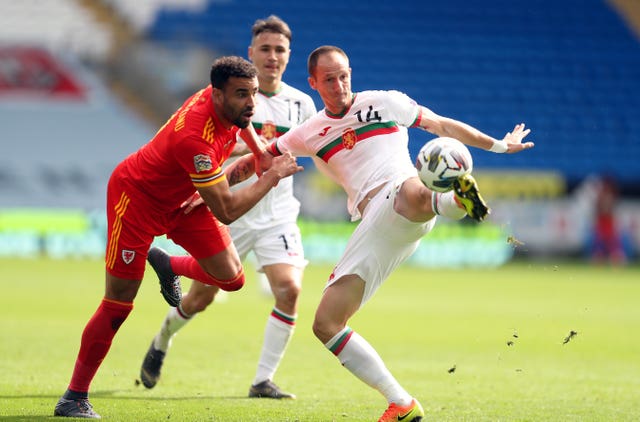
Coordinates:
(570,70)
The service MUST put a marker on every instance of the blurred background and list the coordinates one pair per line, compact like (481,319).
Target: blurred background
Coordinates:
(83,83)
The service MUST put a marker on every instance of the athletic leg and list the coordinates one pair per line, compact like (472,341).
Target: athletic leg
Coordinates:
(280,256)
(197,300)
(130,232)
(95,343)
(284,280)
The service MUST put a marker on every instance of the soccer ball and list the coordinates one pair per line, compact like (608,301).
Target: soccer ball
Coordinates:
(441,161)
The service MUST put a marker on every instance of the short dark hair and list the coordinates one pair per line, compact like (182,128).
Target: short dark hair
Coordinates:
(271,24)
(231,66)
(312,61)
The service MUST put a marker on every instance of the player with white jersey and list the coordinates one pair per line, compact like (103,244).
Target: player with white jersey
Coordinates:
(361,141)
(276,113)
(269,229)
(380,159)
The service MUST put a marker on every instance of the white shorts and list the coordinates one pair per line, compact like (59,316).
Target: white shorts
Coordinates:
(279,244)
(380,243)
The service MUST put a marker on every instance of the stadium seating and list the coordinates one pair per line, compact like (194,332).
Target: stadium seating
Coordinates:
(141,14)
(63,129)
(58,25)
(59,152)
(570,70)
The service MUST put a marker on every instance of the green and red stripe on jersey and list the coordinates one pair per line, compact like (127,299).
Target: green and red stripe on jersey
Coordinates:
(280,130)
(416,121)
(272,148)
(363,133)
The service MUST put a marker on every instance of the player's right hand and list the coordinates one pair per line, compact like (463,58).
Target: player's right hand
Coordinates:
(514,139)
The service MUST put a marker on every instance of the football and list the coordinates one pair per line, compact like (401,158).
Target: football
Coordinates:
(441,161)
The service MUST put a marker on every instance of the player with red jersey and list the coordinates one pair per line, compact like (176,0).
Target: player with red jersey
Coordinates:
(144,199)
(269,230)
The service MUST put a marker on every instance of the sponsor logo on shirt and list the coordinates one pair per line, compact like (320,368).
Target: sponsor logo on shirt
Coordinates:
(324,131)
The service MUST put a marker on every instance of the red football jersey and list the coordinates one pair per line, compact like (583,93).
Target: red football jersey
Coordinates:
(187,152)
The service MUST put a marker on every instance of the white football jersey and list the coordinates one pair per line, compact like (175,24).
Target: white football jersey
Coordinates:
(361,149)
(275,115)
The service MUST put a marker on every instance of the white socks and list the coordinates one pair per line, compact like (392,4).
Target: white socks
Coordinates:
(445,204)
(359,357)
(277,334)
(173,322)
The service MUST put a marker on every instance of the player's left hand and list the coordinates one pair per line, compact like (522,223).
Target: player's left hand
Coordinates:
(513,139)
(193,201)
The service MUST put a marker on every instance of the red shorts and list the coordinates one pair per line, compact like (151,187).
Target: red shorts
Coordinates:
(132,225)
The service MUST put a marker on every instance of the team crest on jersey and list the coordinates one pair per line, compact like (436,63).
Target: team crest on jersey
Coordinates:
(349,138)
(202,162)
(127,256)
(269,130)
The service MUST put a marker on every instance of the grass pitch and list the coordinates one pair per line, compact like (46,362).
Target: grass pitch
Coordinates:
(470,344)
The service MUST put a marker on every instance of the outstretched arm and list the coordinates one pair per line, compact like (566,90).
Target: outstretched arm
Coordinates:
(228,206)
(236,172)
(467,134)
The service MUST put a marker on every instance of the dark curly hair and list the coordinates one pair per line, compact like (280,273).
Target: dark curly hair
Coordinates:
(231,66)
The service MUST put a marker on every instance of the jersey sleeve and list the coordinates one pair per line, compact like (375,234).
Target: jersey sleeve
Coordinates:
(403,109)
(202,162)
(293,141)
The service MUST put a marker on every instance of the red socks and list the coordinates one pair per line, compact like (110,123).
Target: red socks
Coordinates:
(186,265)
(96,341)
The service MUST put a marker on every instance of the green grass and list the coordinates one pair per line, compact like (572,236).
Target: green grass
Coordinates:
(422,322)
